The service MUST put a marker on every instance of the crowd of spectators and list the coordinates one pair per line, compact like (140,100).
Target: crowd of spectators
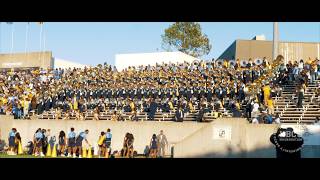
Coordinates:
(163,87)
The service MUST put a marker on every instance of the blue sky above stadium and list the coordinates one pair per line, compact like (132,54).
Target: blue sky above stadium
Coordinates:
(94,43)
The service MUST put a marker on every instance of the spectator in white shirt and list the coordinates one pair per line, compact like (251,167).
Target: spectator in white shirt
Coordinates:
(255,121)
(255,110)
(277,119)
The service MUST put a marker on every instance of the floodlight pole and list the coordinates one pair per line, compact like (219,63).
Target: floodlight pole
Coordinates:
(275,41)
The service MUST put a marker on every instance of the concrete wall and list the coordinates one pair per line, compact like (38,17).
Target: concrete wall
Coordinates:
(246,49)
(142,131)
(21,60)
(299,50)
(5,127)
(190,139)
(247,140)
(291,51)
(258,140)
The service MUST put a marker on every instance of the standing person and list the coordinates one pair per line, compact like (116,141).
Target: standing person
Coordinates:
(11,139)
(162,143)
(72,143)
(45,140)
(266,93)
(82,136)
(301,65)
(255,110)
(38,141)
(200,117)
(152,110)
(108,142)
(129,145)
(300,97)
(248,109)
(101,144)
(179,115)
(26,105)
(124,148)
(153,146)
(62,140)
(96,114)
(270,106)
(17,141)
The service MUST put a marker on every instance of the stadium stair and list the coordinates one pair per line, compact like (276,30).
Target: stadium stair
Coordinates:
(285,105)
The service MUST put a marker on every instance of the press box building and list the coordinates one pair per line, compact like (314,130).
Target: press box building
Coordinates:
(35,60)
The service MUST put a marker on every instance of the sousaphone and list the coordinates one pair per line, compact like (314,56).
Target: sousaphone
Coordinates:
(232,63)
(195,62)
(258,61)
(219,63)
(243,63)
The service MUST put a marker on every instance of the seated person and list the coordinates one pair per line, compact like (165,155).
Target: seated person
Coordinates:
(255,121)
(114,116)
(134,116)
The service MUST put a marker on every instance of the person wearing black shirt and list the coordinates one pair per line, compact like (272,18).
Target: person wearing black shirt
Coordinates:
(179,115)
(248,109)
(152,109)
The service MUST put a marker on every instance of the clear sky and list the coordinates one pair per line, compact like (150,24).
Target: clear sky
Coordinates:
(94,43)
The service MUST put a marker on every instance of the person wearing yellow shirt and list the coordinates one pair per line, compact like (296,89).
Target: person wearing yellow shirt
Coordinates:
(226,63)
(132,106)
(266,93)
(1,105)
(171,105)
(4,102)
(270,106)
(70,105)
(191,106)
(309,62)
(238,105)
(75,103)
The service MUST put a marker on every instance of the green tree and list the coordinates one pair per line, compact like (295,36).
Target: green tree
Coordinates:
(187,38)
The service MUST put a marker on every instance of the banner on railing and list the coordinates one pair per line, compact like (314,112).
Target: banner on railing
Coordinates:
(309,133)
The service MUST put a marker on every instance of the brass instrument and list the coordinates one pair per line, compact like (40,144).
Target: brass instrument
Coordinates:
(232,63)
(219,63)
(258,62)
(243,63)
(265,78)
